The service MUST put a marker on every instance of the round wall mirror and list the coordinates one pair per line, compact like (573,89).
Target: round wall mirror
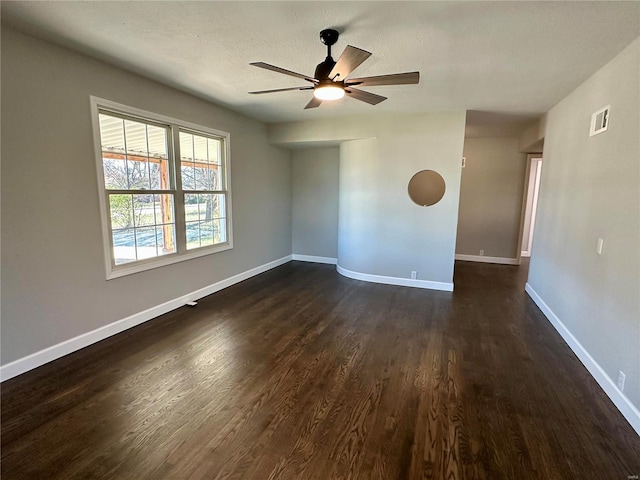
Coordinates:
(426,188)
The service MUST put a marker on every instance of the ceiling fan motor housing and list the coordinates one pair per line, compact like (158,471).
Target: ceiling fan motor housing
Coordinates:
(324,68)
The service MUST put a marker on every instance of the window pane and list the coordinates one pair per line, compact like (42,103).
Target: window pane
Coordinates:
(218,208)
(201,176)
(143,210)
(111,133)
(138,173)
(157,138)
(164,217)
(193,235)
(115,172)
(136,138)
(204,206)
(206,233)
(188,176)
(186,158)
(113,158)
(215,150)
(165,239)
(191,207)
(124,246)
(215,177)
(200,149)
(206,177)
(137,155)
(163,205)
(146,242)
(121,211)
(220,230)
(186,147)
(159,173)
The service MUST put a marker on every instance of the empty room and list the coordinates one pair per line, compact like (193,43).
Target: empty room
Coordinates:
(320,240)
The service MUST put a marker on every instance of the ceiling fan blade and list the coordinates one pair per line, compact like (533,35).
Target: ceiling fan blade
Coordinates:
(394,79)
(315,102)
(281,90)
(282,70)
(350,59)
(370,98)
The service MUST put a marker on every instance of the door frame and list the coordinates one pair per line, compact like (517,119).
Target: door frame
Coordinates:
(529,204)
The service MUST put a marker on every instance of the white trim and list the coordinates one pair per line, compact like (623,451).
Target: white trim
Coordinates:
(483,259)
(313,258)
(619,399)
(142,265)
(405,282)
(49,354)
(534,203)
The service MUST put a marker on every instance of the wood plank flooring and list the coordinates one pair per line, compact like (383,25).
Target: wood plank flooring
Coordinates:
(300,373)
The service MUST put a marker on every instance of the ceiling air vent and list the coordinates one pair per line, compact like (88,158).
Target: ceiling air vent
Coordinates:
(599,121)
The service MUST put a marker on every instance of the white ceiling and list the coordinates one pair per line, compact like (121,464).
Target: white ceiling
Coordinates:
(506,62)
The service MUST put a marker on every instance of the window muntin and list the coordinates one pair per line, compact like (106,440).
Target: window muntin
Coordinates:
(165,188)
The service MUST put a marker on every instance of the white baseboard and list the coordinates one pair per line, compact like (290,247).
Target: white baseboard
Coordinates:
(313,258)
(49,354)
(483,259)
(619,399)
(405,282)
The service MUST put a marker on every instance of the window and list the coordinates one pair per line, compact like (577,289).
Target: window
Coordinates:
(203,176)
(164,188)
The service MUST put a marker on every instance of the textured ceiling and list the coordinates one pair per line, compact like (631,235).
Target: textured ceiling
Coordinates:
(506,62)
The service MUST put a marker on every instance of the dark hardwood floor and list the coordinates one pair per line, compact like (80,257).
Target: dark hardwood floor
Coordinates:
(300,373)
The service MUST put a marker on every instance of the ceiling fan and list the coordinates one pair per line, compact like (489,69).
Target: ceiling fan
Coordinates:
(330,81)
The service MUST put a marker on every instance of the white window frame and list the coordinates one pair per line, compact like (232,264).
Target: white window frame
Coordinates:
(174,127)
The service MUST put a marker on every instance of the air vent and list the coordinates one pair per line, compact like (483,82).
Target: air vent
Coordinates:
(599,121)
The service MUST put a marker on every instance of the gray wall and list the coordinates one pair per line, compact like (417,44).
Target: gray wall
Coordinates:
(590,189)
(380,230)
(531,140)
(491,193)
(314,226)
(53,278)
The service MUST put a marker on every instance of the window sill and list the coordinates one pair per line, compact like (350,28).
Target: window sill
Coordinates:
(144,265)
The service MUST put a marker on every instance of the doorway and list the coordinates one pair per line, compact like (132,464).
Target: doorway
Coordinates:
(531,202)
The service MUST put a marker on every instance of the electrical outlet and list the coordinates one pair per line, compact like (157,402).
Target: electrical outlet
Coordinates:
(621,379)
(482,253)
(599,246)
(414,274)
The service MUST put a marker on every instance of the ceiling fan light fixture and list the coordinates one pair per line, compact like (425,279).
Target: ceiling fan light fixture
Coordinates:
(328,92)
